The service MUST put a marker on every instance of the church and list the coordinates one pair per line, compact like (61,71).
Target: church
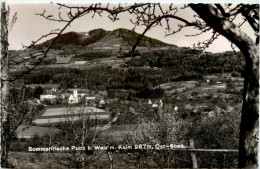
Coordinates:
(74,97)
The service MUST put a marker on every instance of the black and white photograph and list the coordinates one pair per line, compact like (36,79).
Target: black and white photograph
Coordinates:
(129,85)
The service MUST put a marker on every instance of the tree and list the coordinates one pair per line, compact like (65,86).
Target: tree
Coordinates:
(80,131)
(38,91)
(5,84)
(16,111)
(218,131)
(220,18)
(217,18)
(13,101)
(161,129)
(5,127)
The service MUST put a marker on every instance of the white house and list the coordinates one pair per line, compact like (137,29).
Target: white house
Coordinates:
(90,98)
(47,97)
(101,103)
(54,89)
(155,103)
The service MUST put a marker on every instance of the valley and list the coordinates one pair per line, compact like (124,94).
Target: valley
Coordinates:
(89,81)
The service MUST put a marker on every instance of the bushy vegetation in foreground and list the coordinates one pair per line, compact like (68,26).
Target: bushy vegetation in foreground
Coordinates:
(163,127)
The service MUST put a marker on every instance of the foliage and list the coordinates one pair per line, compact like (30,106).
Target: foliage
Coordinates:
(131,36)
(80,133)
(220,131)
(49,61)
(73,38)
(18,108)
(38,91)
(185,67)
(147,93)
(187,60)
(161,129)
(76,39)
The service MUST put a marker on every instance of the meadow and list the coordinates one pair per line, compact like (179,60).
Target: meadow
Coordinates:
(55,115)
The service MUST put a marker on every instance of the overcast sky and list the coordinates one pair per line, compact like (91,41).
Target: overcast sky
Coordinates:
(30,27)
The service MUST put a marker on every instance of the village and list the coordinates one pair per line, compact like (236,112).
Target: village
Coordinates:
(57,104)
(53,95)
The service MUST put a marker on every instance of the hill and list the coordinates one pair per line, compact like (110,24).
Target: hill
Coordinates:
(95,44)
(99,47)
(100,38)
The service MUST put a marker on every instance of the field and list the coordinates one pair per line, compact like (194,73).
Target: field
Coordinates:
(176,87)
(56,120)
(186,88)
(63,60)
(116,133)
(76,110)
(30,131)
(55,115)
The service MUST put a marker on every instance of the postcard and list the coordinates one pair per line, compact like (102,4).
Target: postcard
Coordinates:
(129,85)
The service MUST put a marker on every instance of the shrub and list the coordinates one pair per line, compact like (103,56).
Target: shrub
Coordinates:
(217,132)
(235,74)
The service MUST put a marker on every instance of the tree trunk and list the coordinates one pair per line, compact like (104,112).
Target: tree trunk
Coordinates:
(5,127)
(110,157)
(248,144)
(249,127)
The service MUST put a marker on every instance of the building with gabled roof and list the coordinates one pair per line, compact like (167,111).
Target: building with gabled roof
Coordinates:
(47,97)
(155,103)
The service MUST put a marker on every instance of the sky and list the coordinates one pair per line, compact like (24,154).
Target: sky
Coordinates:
(29,27)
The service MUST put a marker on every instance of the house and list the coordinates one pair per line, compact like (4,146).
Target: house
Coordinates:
(211,114)
(101,104)
(149,102)
(155,103)
(53,89)
(80,62)
(47,97)
(90,101)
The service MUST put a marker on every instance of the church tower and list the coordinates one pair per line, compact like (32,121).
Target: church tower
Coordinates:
(75,93)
